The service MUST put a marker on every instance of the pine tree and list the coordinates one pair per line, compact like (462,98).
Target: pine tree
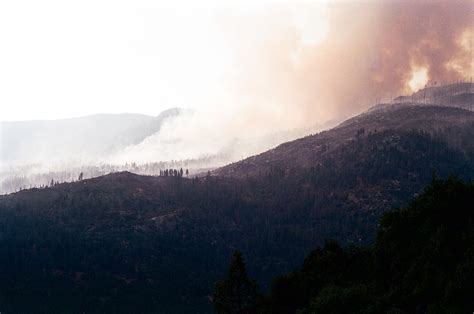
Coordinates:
(237,293)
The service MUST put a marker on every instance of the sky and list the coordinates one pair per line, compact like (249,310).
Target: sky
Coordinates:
(252,63)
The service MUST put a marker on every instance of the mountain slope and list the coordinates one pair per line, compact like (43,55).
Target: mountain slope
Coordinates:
(129,243)
(421,262)
(454,125)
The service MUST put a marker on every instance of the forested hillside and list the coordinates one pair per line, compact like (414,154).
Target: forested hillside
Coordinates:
(130,243)
(422,262)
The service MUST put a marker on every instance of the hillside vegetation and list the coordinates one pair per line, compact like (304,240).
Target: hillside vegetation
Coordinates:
(422,262)
(129,243)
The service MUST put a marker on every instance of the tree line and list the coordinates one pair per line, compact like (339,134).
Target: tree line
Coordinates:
(174,172)
(421,262)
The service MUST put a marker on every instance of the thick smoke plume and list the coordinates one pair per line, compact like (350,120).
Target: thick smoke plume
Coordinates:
(296,66)
(369,53)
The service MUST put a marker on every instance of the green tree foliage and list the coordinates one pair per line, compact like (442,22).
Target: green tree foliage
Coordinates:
(237,293)
(335,299)
(424,253)
(422,262)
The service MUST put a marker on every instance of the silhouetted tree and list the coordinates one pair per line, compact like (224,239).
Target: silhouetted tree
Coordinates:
(81,176)
(237,293)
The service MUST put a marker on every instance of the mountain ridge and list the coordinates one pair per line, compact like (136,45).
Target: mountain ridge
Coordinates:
(170,236)
(430,119)
(85,137)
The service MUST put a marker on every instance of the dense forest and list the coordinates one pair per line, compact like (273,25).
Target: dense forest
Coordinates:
(421,262)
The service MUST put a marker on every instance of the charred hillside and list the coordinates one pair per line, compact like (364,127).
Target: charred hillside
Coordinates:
(453,95)
(452,125)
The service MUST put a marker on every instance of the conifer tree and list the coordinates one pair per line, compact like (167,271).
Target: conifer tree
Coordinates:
(237,293)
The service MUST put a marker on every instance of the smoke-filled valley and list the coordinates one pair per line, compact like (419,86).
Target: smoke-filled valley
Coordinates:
(41,153)
(44,153)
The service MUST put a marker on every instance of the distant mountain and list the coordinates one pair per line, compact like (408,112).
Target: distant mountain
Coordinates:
(129,243)
(139,132)
(86,139)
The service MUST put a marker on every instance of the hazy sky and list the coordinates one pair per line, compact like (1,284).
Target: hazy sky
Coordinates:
(300,63)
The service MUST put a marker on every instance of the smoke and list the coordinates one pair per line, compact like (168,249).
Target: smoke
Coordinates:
(299,65)
(255,69)
(180,138)
(427,35)
(364,52)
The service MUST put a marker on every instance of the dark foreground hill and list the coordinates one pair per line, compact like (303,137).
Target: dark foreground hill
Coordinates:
(128,243)
(422,262)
